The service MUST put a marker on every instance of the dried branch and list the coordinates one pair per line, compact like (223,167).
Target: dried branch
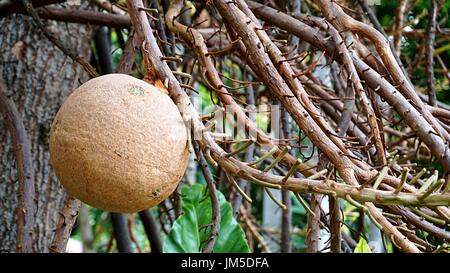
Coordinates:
(332,148)
(127,58)
(66,221)
(9,7)
(121,233)
(108,6)
(195,39)
(372,17)
(335,224)
(429,51)
(52,37)
(130,220)
(248,223)
(83,17)
(398,24)
(383,88)
(102,42)
(356,84)
(269,64)
(337,16)
(421,223)
(249,152)
(152,230)
(269,74)
(374,20)
(24,163)
(286,215)
(313,228)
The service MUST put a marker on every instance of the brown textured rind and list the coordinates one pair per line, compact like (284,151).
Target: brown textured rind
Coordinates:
(119,144)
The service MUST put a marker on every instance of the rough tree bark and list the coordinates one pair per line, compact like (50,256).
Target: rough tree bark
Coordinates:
(39,78)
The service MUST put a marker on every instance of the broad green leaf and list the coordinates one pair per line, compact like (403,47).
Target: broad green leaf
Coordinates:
(362,246)
(188,233)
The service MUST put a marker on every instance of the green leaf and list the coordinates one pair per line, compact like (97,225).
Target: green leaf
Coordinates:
(362,246)
(188,233)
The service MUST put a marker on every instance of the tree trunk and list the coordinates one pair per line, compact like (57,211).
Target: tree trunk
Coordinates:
(39,78)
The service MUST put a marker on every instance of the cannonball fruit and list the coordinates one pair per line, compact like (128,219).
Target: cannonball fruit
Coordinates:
(119,144)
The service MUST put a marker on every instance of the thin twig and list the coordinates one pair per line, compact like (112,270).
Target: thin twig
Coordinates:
(215,221)
(429,51)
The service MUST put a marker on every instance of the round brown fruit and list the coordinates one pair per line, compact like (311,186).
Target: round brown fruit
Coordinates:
(119,144)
